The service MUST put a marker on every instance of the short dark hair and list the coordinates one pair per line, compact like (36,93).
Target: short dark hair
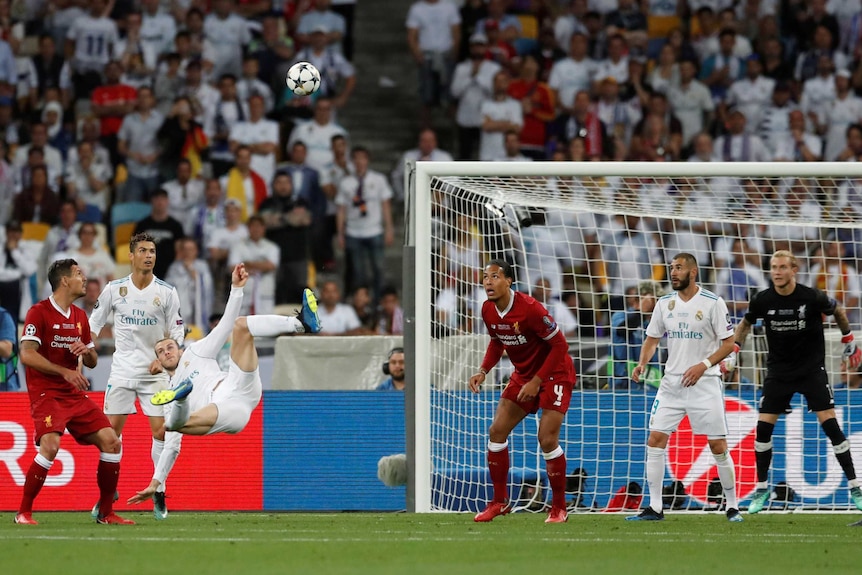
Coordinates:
(138,238)
(388,290)
(255,218)
(58,270)
(159,192)
(504,266)
(686,257)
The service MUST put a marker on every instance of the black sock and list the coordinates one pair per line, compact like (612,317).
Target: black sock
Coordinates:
(841,447)
(763,458)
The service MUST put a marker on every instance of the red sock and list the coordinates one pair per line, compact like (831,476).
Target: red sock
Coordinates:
(107,477)
(36,476)
(556,468)
(498,465)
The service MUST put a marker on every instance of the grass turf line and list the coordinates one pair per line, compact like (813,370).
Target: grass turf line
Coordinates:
(439,544)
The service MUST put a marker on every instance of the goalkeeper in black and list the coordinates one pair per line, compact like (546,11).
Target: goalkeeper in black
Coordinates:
(796,363)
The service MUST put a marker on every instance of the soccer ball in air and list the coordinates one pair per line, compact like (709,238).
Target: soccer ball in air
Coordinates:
(303,79)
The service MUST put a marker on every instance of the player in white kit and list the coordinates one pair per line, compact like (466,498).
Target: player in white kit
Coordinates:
(206,400)
(699,336)
(146,310)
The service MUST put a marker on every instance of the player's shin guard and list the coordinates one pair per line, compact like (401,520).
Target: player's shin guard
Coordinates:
(555,464)
(177,414)
(36,476)
(763,450)
(169,455)
(727,476)
(107,477)
(498,467)
(655,475)
(272,325)
(841,447)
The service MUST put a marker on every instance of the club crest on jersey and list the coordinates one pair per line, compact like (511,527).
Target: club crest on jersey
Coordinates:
(516,328)
(78,325)
(48,422)
(802,311)
(699,315)
(671,305)
(30,329)
(157,301)
(124,291)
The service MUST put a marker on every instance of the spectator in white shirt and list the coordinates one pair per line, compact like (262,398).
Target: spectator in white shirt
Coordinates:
(260,136)
(322,15)
(752,94)
(738,146)
(194,282)
(690,101)
(801,146)
(261,257)
(336,318)
(364,222)
(184,192)
(500,114)
(567,25)
(337,75)
(317,135)
(616,65)
(841,113)
(433,36)
(472,84)
(137,142)
(573,74)
(250,85)
(220,241)
(226,34)
(158,29)
(88,179)
(39,139)
(89,43)
(818,92)
(512,145)
(427,151)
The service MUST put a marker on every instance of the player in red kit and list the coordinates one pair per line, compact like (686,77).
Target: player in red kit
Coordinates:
(544,377)
(56,337)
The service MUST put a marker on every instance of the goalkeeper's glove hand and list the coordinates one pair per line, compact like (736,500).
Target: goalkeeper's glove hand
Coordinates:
(728,364)
(852,354)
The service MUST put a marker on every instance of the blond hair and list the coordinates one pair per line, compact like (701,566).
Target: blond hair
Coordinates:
(787,254)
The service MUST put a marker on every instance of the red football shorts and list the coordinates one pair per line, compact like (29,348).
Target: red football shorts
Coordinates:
(554,394)
(75,412)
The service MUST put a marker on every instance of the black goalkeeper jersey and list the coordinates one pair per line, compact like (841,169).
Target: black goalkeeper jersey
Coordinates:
(794,328)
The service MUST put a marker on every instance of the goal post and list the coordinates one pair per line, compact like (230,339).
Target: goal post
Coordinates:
(588,232)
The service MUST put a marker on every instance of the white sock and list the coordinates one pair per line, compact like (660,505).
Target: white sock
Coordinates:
(727,475)
(177,414)
(42,461)
(156,450)
(272,325)
(655,476)
(170,452)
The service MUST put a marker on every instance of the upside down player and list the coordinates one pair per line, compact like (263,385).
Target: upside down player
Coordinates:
(544,377)
(796,363)
(206,400)
(56,336)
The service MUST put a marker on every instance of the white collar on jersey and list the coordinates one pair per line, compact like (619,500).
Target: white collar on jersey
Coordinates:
(508,307)
(67,313)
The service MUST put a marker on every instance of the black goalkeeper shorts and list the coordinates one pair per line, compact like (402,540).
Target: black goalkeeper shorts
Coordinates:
(779,391)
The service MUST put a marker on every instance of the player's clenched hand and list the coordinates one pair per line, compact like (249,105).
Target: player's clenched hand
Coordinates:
(476,382)
(155,367)
(852,355)
(77,379)
(239,275)
(530,390)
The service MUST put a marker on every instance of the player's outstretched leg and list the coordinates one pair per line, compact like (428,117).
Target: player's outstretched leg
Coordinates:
(308,314)
(176,393)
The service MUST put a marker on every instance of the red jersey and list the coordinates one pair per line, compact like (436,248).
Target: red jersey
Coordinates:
(110,96)
(54,331)
(525,329)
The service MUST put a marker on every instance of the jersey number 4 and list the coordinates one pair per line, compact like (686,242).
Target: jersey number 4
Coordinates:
(558,391)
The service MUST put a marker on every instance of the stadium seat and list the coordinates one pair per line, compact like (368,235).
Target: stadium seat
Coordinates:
(36,231)
(122,234)
(128,212)
(91,214)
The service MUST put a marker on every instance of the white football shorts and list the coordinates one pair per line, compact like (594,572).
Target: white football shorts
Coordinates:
(702,402)
(120,395)
(236,397)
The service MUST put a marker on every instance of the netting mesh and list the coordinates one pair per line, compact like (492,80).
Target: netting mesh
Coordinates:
(594,250)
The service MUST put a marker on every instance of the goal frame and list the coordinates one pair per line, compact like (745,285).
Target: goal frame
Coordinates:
(418,272)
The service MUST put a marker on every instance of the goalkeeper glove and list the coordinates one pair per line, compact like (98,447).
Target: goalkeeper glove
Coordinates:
(852,354)
(728,364)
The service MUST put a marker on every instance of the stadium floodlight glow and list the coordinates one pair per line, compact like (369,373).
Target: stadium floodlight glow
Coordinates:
(580,217)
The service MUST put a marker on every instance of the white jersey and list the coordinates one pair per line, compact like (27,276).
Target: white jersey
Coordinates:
(94,40)
(199,364)
(141,319)
(694,328)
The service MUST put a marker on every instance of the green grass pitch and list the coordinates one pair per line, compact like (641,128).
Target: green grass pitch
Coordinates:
(439,544)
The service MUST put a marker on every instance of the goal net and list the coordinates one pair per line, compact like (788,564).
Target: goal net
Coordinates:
(592,242)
